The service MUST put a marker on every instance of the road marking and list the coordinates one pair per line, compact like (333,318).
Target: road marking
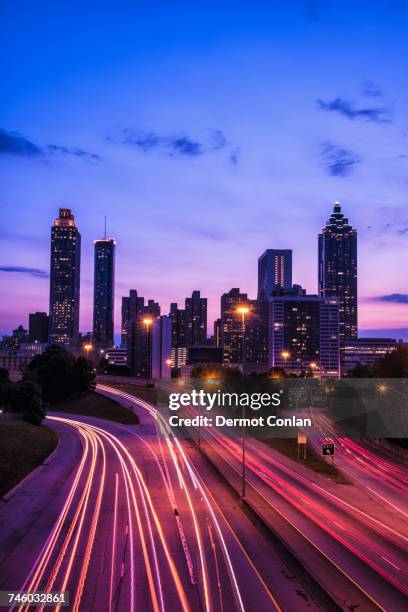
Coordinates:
(391,563)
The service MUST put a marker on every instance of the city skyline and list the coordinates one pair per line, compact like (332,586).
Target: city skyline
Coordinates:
(200,167)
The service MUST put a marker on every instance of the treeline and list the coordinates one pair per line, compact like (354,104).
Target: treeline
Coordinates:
(392,365)
(53,376)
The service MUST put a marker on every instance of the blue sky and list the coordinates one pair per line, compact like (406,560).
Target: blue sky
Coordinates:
(206,133)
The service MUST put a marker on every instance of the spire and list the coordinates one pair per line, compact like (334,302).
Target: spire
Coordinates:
(105,229)
(337,207)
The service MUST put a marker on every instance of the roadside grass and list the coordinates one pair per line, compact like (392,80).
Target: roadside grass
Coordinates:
(146,393)
(313,461)
(96,405)
(23,447)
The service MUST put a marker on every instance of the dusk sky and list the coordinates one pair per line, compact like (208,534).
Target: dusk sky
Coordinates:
(206,132)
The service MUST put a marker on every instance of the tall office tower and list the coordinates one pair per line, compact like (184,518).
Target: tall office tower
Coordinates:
(38,324)
(160,350)
(178,336)
(196,319)
(132,305)
(217,332)
(139,340)
(274,272)
(64,279)
(104,292)
(338,269)
(233,326)
(304,332)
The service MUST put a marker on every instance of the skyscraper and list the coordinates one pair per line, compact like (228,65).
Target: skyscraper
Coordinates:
(274,272)
(104,292)
(178,336)
(196,319)
(232,328)
(337,246)
(139,339)
(64,279)
(132,305)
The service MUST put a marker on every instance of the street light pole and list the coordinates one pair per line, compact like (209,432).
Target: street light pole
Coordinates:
(243,310)
(148,323)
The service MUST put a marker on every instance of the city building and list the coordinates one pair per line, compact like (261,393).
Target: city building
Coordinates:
(160,352)
(132,306)
(104,292)
(14,363)
(178,336)
(366,351)
(205,354)
(116,356)
(304,333)
(195,319)
(233,320)
(139,337)
(274,272)
(31,349)
(64,279)
(337,246)
(38,324)
(217,332)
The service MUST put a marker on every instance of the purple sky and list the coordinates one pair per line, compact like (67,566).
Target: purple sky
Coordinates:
(206,135)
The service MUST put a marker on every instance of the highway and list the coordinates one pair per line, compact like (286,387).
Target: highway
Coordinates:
(124,520)
(358,539)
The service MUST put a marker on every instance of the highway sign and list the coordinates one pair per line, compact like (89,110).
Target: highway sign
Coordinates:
(328,449)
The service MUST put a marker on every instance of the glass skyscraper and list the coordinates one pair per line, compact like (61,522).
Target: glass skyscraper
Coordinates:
(337,246)
(64,279)
(274,272)
(104,292)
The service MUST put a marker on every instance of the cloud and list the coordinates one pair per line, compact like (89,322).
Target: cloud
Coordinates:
(179,145)
(234,156)
(22,270)
(337,160)
(346,109)
(371,90)
(395,298)
(13,143)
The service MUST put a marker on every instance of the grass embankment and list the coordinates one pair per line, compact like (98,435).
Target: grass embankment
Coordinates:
(23,447)
(313,461)
(146,393)
(96,405)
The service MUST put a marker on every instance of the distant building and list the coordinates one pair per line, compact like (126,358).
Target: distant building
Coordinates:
(304,333)
(195,319)
(64,279)
(160,352)
(366,351)
(104,292)
(274,272)
(204,354)
(337,246)
(232,328)
(217,332)
(14,363)
(38,323)
(31,349)
(139,340)
(116,356)
(178,336)
(132,306)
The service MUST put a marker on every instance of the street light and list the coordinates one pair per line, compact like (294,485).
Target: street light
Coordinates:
(148,322)
(243,310)
(88,347)
(285,355)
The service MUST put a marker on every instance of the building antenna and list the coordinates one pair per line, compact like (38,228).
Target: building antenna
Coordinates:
(105,227)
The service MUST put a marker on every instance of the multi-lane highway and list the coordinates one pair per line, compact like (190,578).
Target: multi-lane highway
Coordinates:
(123,519)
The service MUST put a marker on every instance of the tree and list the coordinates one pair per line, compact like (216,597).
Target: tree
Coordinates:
(392,365)
(26,398)
(60,374)
(4,375)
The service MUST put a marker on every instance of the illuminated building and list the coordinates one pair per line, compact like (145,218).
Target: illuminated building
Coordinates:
(139,340)
(274,272)
(64,279)
(132,305)
(178,336)
(366,351)
(337,245)
(232,336)
(104,292)
(195,319)
(304,330)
